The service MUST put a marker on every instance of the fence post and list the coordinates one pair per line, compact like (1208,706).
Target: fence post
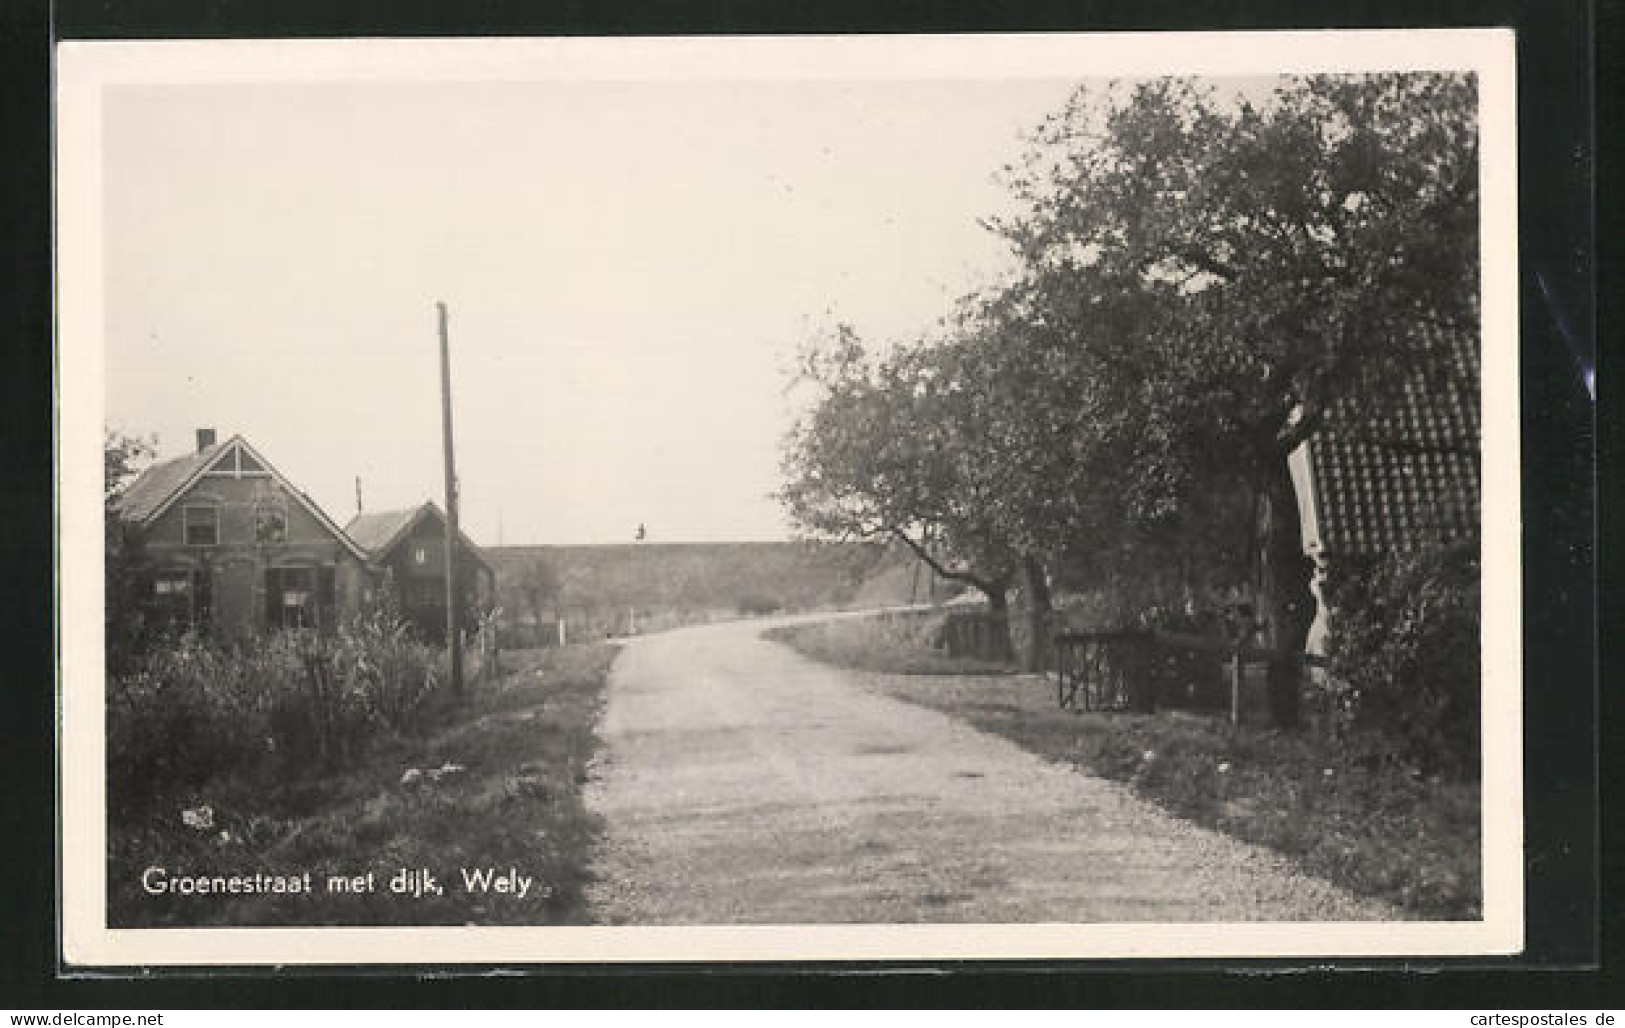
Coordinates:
(1235,687)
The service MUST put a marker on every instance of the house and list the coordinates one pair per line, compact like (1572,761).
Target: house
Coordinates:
(1394,473)
(408,547)
(219,541)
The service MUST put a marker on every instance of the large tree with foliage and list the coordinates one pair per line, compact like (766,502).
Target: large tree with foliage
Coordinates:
(123,457)
(1279,257)
(886,450)
(1087,491)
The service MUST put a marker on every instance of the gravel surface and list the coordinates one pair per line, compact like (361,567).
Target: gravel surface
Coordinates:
(741,783)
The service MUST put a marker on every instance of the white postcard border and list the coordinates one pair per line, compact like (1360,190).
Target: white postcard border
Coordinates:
(84,69)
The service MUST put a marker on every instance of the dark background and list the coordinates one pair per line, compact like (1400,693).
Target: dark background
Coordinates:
(1572,925)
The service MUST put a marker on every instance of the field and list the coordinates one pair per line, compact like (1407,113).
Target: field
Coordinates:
(494,787)
(614,589)
(1337,807)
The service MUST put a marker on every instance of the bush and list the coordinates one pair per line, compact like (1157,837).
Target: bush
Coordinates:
(192,711)
(1404,652)
(186,715)
(757,604)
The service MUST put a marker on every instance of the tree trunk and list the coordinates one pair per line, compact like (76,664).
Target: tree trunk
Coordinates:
(1035,654)
(998,606)
(1285,597)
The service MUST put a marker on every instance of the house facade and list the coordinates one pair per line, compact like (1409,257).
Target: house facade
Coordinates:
(1395,472)
(408,547)
(220,542)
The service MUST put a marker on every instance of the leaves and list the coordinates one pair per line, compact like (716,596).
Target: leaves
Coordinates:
(895,449)
(1202,278)
(123,457)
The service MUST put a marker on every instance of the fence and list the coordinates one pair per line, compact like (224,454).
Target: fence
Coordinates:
(978,635)
(1149,669)
(482,652)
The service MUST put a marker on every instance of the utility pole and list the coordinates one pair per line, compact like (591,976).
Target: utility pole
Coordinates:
(358,494)
(454,641)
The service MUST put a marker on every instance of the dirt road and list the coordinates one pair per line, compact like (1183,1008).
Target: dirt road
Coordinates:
(742,783)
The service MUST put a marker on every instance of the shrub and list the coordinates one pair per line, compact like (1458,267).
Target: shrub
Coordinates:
(192,711)
(188,713)
(1404,651)
(756,604)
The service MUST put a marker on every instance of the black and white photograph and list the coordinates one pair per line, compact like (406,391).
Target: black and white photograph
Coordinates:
(796,498)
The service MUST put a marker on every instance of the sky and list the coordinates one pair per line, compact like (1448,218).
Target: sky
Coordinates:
(629,267)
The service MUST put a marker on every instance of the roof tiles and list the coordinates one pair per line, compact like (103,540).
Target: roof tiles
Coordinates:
(158,482)
(1402,471)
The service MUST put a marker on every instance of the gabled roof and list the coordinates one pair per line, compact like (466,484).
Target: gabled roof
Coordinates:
(157,488)
(1401,471)
(380,532)
(157,483)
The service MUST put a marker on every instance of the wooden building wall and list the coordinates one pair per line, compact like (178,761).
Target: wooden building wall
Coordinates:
(417,566)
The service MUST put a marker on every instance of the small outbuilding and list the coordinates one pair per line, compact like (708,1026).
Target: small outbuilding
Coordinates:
(408,547)
(1394,472)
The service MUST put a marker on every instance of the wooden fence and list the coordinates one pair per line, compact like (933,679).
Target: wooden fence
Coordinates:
(1142,669)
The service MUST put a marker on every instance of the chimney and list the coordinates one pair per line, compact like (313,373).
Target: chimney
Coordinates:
(205,439)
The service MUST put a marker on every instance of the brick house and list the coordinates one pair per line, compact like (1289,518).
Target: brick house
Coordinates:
(219,541)
(1395,472)
(408,548)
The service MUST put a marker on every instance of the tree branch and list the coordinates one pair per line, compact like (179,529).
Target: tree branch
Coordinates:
(1211,265)
(969,578)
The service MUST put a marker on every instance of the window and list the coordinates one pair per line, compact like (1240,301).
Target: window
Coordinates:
(183,599)
(301,597)
(171,583)
(420,555)
(202,525)
(288,599)
(270,523)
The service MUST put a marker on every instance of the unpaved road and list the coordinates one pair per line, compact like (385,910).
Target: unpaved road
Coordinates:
(743,783)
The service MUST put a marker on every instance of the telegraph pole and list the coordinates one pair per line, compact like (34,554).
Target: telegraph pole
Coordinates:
(454,640)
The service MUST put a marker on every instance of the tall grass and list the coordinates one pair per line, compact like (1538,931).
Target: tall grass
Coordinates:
(493,780)
(192,711)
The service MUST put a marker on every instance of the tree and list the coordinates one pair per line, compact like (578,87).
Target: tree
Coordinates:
(885,452)
(540,587)
(1279,258)
(123,457)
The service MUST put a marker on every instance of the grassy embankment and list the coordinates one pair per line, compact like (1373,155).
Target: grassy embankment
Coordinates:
(669,584)
(1371,826)
(522,744)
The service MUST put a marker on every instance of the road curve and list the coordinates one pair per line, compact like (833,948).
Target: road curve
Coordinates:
(741,783)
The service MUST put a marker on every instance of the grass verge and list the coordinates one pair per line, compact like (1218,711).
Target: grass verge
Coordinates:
(496,788)
(1337,807)
(895,643)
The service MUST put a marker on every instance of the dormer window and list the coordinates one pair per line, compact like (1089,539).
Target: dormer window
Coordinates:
(202,524)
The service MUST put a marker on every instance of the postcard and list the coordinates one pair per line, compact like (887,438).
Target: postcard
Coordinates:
(788,498)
